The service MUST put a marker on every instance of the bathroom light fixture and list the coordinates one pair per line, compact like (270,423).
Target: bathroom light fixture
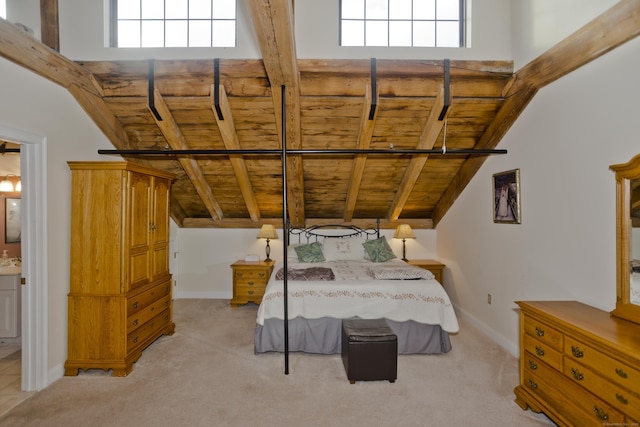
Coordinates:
(7,185)
(268,232)
(404,232)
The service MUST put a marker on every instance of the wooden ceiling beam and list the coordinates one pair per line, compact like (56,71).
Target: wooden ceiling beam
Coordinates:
(428,138)
(230,139)
(273,22)
(49,28)
(176,140)
(416,223)
(365,133)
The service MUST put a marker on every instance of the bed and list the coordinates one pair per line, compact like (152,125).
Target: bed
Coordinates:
(350,277)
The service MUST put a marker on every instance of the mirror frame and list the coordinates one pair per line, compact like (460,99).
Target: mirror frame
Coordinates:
(624,174)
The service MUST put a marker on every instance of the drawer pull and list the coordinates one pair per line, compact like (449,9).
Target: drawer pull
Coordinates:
(600,413)
(533,365)
(166,303)
(532,384)
(621,373)
(539,331)
(577,374)
(135,304)
(135,322)
(166,317)
(135,340)
(166,289)
(621,399)
(261,275)
(250,292)
(539,351)
(238,274)
(577,352)
(251,283)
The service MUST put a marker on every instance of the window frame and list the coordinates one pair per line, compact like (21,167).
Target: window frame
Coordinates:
(462,31)
(113,29)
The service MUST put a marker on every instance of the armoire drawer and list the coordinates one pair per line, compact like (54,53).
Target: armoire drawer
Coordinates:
(140,300)
(142,316)
(147,330)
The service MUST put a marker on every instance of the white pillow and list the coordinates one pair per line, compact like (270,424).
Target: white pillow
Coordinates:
(343,248)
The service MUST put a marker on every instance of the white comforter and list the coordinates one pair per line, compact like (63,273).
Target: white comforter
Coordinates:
(356,293)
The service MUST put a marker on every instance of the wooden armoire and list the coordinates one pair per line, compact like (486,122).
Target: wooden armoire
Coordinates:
(120,287)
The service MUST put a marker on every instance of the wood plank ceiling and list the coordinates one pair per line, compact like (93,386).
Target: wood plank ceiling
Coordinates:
(328,105)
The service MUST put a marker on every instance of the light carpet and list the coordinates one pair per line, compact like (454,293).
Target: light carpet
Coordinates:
(207,374)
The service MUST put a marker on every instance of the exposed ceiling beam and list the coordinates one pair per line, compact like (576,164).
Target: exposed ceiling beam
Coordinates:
(230,139)
(273,22)
(367,123)
(423,223)
(428,138)
(177,141)
(49,28)
(609,30)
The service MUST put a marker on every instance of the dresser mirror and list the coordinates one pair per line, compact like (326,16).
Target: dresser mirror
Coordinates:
(628,239)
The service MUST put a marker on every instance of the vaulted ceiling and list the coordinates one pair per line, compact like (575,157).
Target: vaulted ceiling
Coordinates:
(383,105)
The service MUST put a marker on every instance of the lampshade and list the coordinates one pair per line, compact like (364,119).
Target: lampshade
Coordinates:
(404,231)
(19,186)
(267,231)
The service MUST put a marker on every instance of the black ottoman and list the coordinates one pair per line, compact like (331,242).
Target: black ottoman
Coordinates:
(369,350)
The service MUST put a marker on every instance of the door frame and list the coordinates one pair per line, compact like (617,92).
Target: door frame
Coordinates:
(35,310)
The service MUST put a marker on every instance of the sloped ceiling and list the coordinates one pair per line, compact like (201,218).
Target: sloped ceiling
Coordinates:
(321,104)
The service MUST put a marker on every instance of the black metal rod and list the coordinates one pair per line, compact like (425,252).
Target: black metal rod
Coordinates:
(374,89)
(216,88)
(223,152)
(152,102)
(285,231)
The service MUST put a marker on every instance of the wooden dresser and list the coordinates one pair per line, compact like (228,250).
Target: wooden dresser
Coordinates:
(578,365)
(249,281)
(120,287)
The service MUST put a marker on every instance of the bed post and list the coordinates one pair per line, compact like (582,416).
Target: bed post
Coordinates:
(285,232)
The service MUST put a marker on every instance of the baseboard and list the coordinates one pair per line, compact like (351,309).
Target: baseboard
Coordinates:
(201,295)
(491,333)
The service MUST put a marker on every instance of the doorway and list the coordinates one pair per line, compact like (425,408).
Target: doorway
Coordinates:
(34,370)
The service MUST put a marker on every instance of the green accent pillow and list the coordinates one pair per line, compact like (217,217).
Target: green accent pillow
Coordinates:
(310,253)
(378,250)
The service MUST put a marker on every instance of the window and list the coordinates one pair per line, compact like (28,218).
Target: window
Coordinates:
(173,23)
(418,23)
(3,9)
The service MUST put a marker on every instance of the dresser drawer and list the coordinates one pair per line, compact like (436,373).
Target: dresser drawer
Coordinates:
(577,406)
(147,330)
(141,300)
(140,317)
(543,351)
(251,276)
(543,333)
(612,393)
(250,290)
(610,368)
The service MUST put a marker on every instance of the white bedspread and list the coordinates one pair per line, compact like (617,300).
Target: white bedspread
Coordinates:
(356,293)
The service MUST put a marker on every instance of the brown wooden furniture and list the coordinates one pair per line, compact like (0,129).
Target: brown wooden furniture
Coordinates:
(249,281)
(433,266)
(578,364)
(120,286)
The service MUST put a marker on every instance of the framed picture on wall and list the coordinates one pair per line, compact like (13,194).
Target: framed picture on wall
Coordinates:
(12,222)
(506,197)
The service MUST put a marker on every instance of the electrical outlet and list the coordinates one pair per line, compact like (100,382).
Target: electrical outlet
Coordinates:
(488,298)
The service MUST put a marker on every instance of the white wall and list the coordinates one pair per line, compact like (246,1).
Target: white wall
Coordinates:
(563,145)
(203,256)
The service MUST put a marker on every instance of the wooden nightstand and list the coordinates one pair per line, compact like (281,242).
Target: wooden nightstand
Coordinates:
(428,264)
(249,281)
